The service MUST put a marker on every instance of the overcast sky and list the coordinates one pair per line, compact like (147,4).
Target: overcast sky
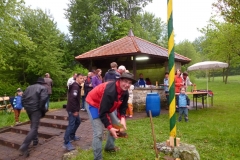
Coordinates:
(188,15)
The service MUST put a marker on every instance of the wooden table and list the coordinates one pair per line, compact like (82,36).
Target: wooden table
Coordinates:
(5,104)
(197,95)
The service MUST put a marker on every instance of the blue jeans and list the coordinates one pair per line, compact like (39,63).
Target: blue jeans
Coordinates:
(83,102)
(33,133)
(98,127)
(47,103)
(167,97)
(73,124)
(183,111)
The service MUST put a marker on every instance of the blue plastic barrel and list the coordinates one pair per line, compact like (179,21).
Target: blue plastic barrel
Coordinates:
(153,104)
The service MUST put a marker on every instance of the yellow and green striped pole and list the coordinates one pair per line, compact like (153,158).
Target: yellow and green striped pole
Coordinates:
(171,66)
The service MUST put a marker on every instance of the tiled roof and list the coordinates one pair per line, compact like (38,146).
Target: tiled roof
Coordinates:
(129,45)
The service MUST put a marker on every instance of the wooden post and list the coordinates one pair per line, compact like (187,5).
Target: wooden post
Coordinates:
(154,138)
(171,64)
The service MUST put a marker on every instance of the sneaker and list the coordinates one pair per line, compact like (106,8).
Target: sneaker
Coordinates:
(115,149)
(68,146)
(130,116)
(76,138)
(82,109)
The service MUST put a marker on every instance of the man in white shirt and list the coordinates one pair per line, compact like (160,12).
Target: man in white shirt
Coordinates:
(186,80)
(71,80)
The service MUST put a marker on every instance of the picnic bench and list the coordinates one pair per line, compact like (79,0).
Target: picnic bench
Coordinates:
(5,105)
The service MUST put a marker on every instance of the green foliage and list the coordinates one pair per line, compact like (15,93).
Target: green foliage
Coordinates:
(117,28)
(9,89)
(99,22)
(229,9)
(221,43)
(9,120)
(32,46)
(187,49)
(150,28)
(12,35)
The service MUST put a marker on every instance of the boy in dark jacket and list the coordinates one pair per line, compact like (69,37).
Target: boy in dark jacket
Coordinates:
(183,104)
(73,107)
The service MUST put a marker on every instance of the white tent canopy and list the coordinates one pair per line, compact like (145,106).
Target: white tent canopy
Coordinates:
(206,65)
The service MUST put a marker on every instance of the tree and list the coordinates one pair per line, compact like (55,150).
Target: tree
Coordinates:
(96,22)
(85,25)
(222,43)
(46,55)
(229,9)
(186,48)
(12,34)
(150,28)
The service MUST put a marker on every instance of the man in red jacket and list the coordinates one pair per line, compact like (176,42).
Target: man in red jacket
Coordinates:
(102,101)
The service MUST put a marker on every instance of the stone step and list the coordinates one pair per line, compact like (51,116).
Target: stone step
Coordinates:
(14,140)
(54,123)
(56,117)
(9,153)
(44,132)
(64,115)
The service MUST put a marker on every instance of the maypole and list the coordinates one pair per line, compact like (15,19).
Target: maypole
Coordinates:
(171,66)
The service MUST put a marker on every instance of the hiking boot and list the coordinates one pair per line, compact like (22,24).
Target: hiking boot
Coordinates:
(23,152)
(68,146)
(115,149)
(76,138)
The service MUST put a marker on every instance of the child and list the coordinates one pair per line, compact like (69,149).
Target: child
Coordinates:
(166,84)
(17,105)
(129,110)
(183,104)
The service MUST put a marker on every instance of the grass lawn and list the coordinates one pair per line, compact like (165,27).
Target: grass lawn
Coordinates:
(214,131)
(9,120)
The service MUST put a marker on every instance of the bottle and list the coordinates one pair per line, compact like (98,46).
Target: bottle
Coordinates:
(195,88)
(156,83)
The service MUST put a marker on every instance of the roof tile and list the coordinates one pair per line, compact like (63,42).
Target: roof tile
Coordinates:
(129,45)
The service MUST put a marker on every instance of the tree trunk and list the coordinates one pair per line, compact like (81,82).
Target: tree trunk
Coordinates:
(227,71)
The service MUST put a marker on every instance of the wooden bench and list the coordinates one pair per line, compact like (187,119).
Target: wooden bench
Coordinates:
(5,105)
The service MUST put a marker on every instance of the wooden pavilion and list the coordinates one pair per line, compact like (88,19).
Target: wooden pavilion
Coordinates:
(134,53)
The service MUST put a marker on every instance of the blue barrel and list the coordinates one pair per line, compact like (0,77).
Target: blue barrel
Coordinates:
(153,104)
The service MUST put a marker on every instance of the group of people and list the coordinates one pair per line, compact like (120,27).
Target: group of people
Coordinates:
(106,97)
(182,81)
